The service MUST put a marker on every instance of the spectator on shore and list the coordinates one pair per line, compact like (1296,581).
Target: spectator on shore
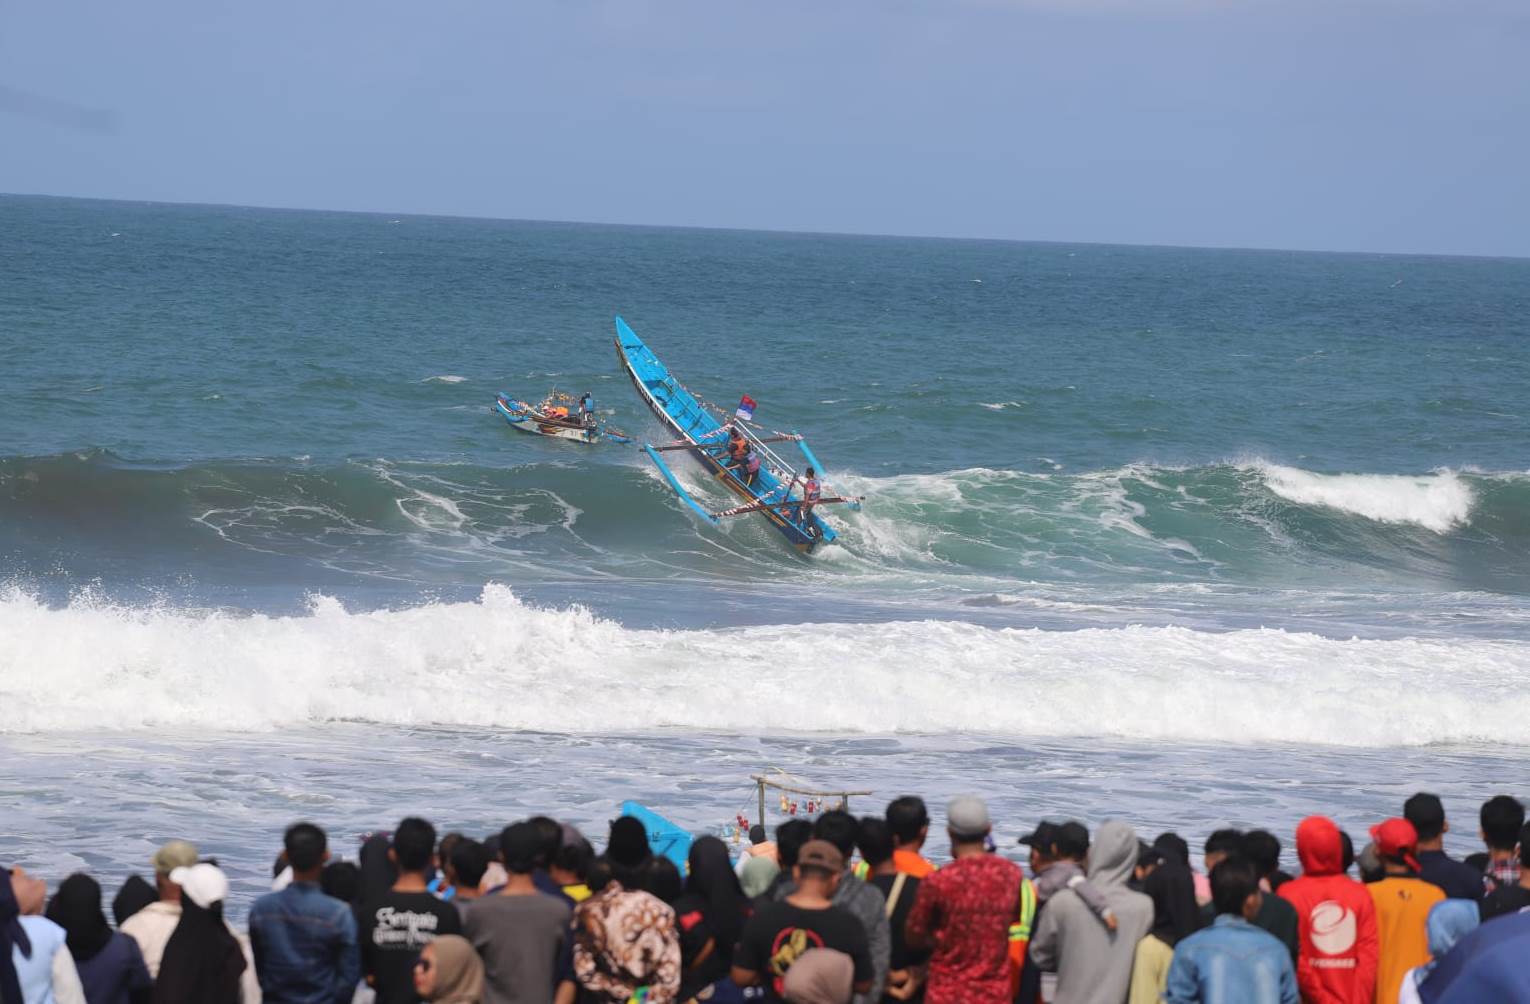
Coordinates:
(820,976)
(1262,849)
(441,884)
(1403,899)
(570,867)
(398,923)
(1168,883)
(304,940)
(1501,819)
(780,933)
(152,926)
(905,977)
(109,963)
(760,846)
(1449,922)
(856,897)
(1220,845)
(1506,899)
(203,961)
(465,871)
(38,954)
(627,851)
(549,843)
(1336,920)
(967,913)
(1458,879)
(1042,841)
(134,895)
(1064,869)
(625,939)
(1233,961)
(341,880)
(1487,964)
(1093,963)
(519,931)
(1174,847)
(449,972)
(712,889)
(909,821)
(759,875)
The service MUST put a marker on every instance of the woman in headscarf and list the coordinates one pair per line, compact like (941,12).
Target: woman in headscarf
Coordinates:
(759,873)
(134,895)
(449,971)
(110,964)
(627,851)
(1168,882)
(203,961)
(1449,921)
(698,949)
(42,967)
(12,939)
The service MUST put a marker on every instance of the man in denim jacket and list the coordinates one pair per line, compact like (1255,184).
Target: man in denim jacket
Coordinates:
(1232,962)
(304,941)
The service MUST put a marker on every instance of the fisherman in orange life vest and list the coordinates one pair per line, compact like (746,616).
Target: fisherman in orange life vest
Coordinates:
(738,447)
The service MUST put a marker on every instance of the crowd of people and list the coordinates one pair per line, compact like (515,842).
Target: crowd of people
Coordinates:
(831,911)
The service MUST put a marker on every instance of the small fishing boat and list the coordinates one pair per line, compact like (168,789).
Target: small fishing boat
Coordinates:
(557,416)
(701,435)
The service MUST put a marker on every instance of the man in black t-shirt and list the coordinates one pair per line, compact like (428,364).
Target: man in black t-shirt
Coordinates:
(780,933)
(1508,899)
(396,925)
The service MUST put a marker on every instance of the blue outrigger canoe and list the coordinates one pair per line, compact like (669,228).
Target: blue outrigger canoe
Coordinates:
(704,438)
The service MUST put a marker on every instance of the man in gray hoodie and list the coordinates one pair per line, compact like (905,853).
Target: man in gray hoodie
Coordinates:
(863,900)
(1094,964)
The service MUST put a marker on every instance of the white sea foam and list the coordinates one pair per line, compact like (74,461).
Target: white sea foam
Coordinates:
(445,378)
(1440,501)
(499,662)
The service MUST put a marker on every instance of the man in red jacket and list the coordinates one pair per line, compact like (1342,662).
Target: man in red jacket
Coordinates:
(1336,921)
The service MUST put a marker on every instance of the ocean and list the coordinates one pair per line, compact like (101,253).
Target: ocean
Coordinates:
(1187,536)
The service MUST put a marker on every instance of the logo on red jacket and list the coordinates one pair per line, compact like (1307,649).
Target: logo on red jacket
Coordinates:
(1333,928)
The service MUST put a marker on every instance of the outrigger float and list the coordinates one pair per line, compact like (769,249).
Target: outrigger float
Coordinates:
(555,416)
(705,439)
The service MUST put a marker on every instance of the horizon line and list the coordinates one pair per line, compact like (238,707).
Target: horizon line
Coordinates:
(880,235)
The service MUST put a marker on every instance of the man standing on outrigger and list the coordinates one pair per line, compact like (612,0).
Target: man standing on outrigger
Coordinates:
(812,491)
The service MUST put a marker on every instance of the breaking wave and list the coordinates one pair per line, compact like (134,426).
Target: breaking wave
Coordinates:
(499,662)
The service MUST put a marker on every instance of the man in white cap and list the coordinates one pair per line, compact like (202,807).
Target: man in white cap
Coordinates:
(967,912)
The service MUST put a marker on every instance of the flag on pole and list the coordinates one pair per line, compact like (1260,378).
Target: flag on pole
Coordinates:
(745,408)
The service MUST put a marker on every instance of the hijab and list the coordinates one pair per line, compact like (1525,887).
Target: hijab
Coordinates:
(819,976)
(134,895)
(759,873)
(459,971)
(202,960)
(712,880)
(11,934)
(76,907)
(627,851)
(1172,888)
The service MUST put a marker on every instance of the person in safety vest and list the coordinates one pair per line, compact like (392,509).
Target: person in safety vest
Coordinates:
(738,448)
(812,491)
(751,467)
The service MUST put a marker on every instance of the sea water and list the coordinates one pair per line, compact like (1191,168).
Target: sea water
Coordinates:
(1192,537)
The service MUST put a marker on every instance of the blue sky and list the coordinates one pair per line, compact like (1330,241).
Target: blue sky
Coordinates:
(1387,125)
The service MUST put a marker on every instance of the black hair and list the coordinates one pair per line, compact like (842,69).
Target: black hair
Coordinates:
(519,847)
(1233,881)
(906,816)
(550,833)
(1262,849)
(839,828)
(661,878)
(305,844)
(1173,847)
(757,834)
(1524,846)
(1227,841)
(1427,814)
(413,843)
(444,847)
(874,838)
(470,859)
(575,858)
(599,874)
(342,880)
(1346,851)
(790,836)
(1501,818)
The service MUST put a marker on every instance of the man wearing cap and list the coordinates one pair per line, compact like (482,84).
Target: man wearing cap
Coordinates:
(1459,880)
(782,932)
(1402,901)
(968,912)
(152,926)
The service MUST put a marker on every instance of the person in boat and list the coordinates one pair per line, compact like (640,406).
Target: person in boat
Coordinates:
(587,409)
(751,468)
(812,491)
(738,448)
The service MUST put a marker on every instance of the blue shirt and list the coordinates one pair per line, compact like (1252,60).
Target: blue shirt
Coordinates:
(1231,962)
(114,973)
(305,947)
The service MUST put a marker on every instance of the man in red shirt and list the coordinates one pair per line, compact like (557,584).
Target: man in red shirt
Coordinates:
(963,913)
(1338,953)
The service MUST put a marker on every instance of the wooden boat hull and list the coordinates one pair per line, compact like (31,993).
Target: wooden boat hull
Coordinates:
(522,417)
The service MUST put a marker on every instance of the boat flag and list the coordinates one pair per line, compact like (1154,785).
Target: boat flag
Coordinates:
(745,408)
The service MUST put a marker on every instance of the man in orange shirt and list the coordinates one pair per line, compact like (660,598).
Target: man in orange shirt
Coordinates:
(1403,901)
(909,822)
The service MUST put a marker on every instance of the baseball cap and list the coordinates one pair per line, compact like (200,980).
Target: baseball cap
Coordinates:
(175,854)
(1041,837)
(1396,838)
(821,854)
(204,884)
(967,816)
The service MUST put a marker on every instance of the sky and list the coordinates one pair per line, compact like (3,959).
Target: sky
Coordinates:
(1375,125)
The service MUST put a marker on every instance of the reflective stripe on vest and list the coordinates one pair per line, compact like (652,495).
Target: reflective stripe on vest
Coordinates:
(1020,930)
